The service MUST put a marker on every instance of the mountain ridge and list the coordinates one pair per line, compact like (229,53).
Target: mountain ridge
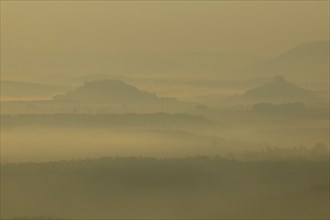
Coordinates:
(305,62)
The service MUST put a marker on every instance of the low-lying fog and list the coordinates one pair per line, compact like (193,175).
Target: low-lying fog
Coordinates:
(43,137)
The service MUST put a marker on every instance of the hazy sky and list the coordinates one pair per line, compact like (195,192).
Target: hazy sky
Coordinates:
(260,27)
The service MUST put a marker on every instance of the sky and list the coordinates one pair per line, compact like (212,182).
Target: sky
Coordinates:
(260,27)
(41,38)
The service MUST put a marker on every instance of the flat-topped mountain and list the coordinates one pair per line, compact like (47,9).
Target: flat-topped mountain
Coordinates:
(111,91)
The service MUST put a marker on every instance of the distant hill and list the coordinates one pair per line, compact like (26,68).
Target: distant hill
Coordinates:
(306,62)
(112,92)
(278,91)
(29,90)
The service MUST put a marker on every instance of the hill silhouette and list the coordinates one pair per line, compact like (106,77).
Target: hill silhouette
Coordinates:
(306,62)
(278,91)
(112,91)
